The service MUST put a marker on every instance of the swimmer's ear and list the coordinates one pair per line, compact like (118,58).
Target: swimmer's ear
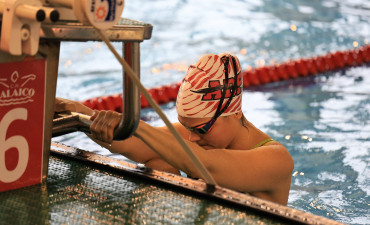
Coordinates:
(238,115)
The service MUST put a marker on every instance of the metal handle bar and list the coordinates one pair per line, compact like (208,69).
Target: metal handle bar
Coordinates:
(72,122)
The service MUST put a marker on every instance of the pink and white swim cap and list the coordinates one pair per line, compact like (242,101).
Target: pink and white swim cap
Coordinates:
(212,80)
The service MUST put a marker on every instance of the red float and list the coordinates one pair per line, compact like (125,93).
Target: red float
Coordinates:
(263,76)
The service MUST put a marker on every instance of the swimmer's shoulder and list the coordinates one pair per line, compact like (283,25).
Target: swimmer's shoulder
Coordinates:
(179,127)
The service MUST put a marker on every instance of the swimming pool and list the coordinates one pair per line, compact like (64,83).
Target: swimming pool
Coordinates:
(322,120)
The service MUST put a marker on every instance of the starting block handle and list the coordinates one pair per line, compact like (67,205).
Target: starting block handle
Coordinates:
(70,122)
(131,94)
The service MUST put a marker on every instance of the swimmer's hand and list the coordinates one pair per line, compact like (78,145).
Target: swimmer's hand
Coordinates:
(103,125)
(103,122)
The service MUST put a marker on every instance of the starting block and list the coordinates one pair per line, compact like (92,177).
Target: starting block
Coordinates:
(29,57)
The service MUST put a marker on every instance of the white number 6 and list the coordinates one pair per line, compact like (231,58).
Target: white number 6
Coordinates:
(18,142)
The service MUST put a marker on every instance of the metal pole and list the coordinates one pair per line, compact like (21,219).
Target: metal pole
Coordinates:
(130,95)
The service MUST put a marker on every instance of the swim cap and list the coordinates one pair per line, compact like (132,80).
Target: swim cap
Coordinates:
(212,86)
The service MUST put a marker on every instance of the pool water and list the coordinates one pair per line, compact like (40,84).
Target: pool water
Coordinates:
(323,120)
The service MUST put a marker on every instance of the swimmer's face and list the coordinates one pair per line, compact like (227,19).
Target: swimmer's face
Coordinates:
(220,136)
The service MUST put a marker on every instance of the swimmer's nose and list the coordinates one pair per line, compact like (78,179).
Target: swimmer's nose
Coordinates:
(193,137)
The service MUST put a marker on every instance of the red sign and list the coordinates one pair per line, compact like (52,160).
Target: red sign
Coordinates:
(22,94)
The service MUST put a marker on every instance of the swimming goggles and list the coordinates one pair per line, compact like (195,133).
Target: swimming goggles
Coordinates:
(206,127)
(202,128)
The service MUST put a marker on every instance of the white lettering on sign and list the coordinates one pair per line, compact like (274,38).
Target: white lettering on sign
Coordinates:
(18,142)
(21,92)
(13,92)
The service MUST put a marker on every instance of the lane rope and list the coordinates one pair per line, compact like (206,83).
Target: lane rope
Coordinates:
(252,77)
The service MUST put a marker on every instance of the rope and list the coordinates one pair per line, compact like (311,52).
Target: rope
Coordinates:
(198,164)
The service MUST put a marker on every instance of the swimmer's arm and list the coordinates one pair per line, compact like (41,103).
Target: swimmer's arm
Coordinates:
(136,150)
(62,104)
(132,148)
(260,169)
(102,128)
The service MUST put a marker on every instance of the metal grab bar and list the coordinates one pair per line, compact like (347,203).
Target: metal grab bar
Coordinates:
(130,95)
(130,33)
(70,122)
(131,104)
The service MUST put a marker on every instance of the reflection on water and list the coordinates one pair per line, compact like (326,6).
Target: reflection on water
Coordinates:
(323,120)
(326,120)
